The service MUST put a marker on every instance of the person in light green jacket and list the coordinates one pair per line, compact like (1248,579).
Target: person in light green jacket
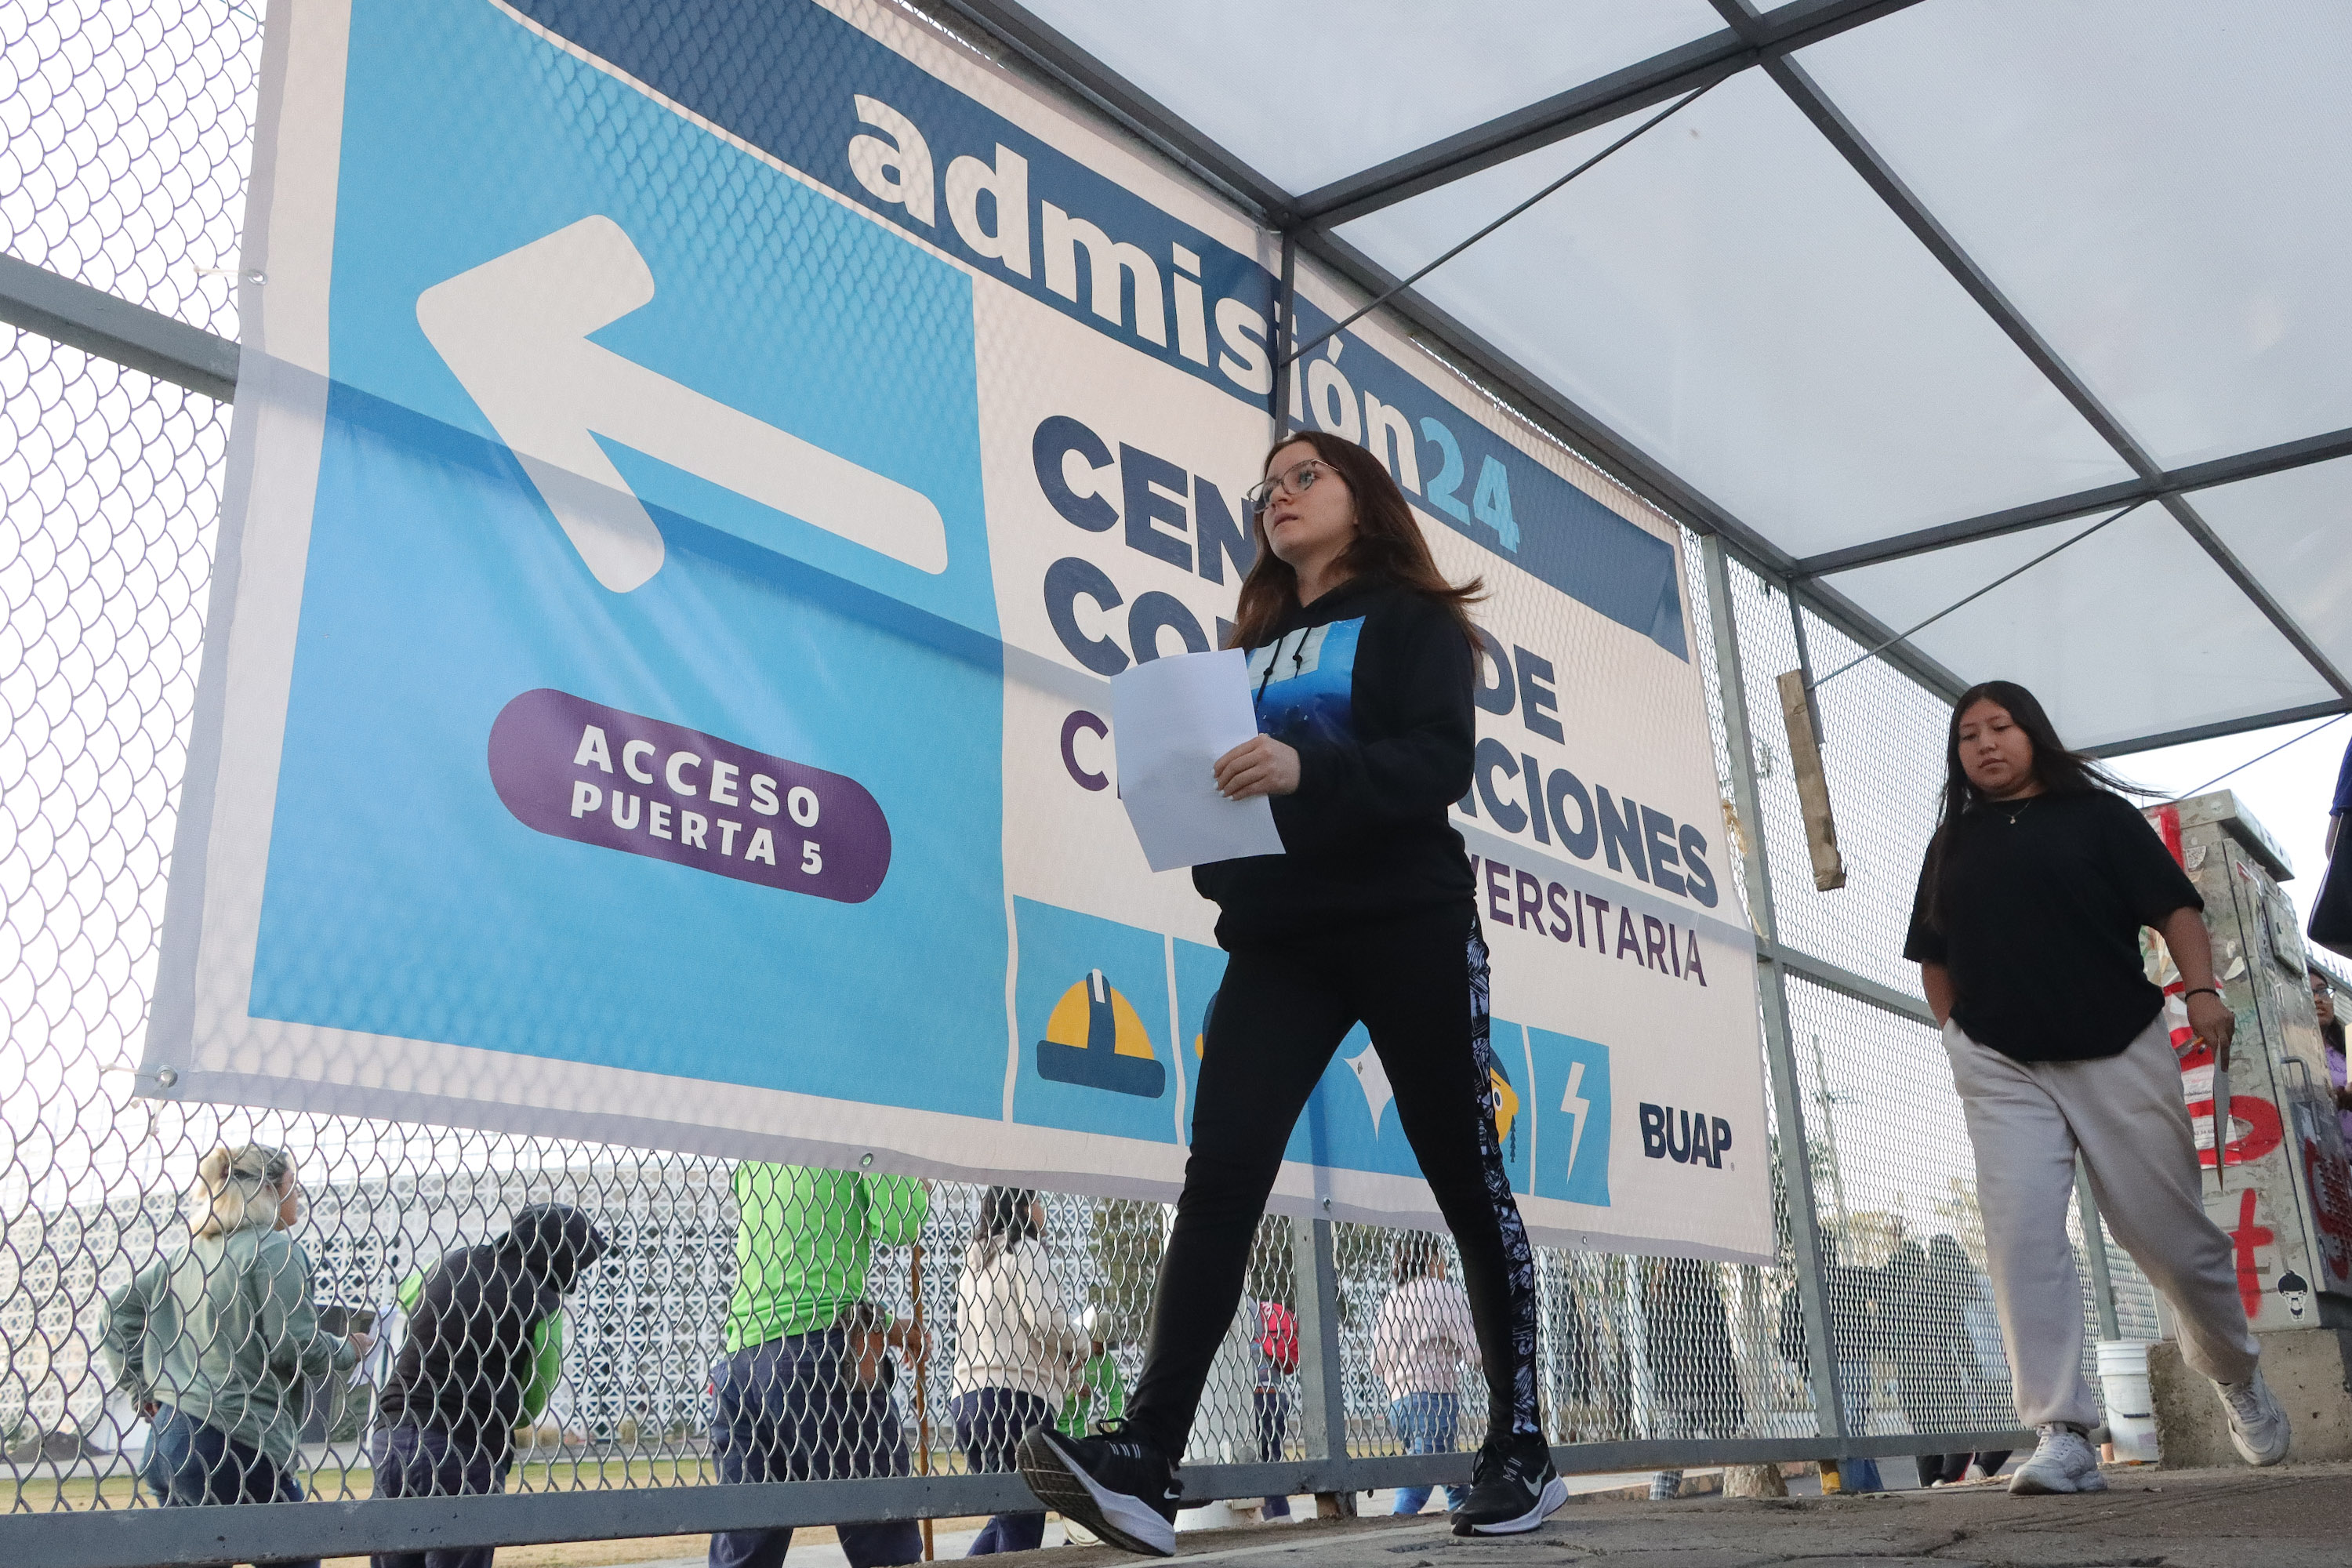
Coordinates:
(216,1342)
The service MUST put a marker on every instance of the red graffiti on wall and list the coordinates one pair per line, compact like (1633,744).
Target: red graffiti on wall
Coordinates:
(2263,1130)
(2248,1237)
(2167,827)
(2331,1202)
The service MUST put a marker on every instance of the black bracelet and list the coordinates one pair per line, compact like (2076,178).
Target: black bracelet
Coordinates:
(2193,990)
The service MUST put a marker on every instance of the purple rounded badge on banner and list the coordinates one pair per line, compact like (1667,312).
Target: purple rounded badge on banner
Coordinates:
(575,768)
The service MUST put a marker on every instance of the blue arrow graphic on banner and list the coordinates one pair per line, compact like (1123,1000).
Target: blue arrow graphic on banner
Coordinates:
(514,332)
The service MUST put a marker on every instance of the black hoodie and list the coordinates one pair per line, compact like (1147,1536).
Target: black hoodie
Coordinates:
(469,1354)
(1372,684)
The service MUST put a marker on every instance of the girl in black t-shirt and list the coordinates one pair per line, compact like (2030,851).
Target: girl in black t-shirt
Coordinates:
(2026,931)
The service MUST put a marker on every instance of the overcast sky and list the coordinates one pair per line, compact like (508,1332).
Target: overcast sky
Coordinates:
(2288,793)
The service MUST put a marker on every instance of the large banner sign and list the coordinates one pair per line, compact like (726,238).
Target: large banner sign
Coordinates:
(696,469)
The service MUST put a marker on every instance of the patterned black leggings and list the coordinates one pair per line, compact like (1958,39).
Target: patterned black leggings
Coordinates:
(1419,986)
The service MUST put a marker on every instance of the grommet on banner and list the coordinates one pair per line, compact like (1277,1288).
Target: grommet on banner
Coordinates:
(866,1160)
(167,1077)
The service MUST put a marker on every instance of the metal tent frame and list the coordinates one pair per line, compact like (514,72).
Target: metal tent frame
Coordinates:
(1751,39)
(41,300)
(1308,221)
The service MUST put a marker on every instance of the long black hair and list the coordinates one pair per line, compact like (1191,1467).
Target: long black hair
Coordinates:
(1006,1219)
(556,1242)
(2058,769)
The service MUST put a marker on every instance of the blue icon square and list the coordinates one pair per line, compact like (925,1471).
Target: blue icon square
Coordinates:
(1091,1003)
(1571,1096)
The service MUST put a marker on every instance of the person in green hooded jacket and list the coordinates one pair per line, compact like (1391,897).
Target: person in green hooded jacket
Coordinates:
(216,1342)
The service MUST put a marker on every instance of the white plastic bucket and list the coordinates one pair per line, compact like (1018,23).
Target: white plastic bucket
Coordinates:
(2131,1406)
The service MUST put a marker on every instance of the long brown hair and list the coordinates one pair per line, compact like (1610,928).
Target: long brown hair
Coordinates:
(1387,546)
(2060,770)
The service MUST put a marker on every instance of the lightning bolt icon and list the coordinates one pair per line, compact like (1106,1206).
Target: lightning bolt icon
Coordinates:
(1576,1105)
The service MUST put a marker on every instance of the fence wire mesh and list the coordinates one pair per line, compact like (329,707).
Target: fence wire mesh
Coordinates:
(126,133)
(586,1317)
(1892,1167)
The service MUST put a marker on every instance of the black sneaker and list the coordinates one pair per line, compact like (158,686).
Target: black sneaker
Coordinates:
(1515,1488)
(1122,1488)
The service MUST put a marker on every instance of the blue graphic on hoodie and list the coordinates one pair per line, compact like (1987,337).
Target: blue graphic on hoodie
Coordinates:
(1304,683)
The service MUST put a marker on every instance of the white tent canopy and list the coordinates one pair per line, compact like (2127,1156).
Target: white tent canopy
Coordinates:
(1919,289)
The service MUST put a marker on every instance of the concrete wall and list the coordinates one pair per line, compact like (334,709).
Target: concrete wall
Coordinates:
(2310,1370)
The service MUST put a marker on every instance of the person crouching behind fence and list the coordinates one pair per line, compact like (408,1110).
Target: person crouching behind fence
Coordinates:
(215,1343)
(2026,931)
(485,1345)
(1017,1350)
(804,1392)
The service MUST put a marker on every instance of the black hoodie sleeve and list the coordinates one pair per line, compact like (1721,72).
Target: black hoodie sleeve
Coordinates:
(1415,733)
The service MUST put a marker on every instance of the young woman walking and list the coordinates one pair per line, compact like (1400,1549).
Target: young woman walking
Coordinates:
(2026,931)
(1362,665)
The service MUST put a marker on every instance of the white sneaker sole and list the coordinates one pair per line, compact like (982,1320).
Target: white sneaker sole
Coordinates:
(1122,1520)
(2025,1483)
(1555,1496)
(2238,1436)
(2259,1457)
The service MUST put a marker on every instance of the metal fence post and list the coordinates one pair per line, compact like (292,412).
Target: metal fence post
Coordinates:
(1796,1164)
(1284,339)
(2095,1247)
(1322,1380)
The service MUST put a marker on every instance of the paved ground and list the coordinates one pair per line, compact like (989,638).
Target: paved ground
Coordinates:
(2291,1516)
(952,1538)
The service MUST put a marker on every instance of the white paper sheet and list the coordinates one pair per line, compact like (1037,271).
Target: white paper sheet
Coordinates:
(1171,719)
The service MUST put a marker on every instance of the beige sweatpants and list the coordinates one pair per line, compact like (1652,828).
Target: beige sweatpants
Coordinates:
(2127,1115)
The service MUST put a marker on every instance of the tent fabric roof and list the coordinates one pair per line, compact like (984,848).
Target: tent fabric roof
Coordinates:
(1918,289)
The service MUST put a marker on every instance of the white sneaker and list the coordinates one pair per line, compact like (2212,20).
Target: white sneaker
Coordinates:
(2063,1462)
(2258,1428)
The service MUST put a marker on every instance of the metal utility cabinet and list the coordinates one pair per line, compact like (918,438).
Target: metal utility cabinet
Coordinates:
(2281,1189)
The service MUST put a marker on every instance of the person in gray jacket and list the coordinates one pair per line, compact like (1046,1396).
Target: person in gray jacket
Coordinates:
(215,1342)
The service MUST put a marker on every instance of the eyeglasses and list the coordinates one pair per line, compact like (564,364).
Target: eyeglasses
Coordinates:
(1295,480)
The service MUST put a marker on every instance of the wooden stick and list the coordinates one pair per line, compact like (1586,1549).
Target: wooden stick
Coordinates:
(922,1387)
(1812,784)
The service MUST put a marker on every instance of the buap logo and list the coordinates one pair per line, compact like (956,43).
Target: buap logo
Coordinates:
(1685,1137)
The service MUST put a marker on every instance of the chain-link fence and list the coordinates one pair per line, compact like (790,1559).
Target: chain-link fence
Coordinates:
(944,1317)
